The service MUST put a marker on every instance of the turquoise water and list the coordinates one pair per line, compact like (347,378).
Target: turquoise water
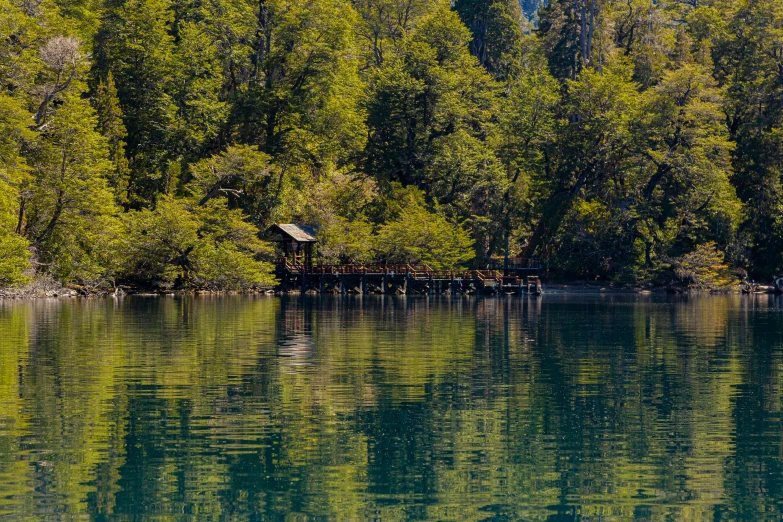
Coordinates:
(558,408)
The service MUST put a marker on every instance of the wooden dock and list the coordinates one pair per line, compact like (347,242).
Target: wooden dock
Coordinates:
(404,279)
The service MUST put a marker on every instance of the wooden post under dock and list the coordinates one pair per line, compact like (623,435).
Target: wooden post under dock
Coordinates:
(402,279)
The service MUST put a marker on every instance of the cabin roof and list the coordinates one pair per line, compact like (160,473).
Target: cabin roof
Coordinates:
(299,233)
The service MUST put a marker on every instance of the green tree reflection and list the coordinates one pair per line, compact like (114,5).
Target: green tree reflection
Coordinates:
(236,408)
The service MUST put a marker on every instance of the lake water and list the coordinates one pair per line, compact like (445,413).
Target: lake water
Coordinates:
(560,408)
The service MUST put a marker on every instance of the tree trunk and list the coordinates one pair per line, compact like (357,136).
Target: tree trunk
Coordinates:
(58,210)
(20,219)
(551,220)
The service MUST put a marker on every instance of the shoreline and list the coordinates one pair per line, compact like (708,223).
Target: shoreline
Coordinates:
(577,288)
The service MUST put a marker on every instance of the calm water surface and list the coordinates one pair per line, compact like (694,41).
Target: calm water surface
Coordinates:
(578,408)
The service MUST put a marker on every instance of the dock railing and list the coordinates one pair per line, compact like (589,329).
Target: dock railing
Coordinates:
(414,271)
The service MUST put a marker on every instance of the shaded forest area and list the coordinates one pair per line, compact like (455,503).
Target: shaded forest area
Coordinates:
(149,142)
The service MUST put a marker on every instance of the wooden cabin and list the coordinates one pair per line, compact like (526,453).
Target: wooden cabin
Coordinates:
(296,242)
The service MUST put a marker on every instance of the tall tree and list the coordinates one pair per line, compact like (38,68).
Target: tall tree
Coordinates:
(750,62)
(111,126)
(429,115)
(528,123)
(136,45)
(70,206)
(592,144)
(202,110)
(301,101)
(567,29)
(496,26)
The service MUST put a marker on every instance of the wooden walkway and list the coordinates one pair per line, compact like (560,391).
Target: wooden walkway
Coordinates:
(404,279)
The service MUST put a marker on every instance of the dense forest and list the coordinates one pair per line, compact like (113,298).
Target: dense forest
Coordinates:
(151,142)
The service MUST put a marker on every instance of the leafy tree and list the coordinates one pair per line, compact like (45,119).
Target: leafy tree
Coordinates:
(245,177)
(14,256)
(14,172)
(496,26)
(429,119)
(643,33)
(704,268)
(419,235)
(689,149)
(611,139)
(301,103)
(528,124)
(592,145)
(384,25)
(750,64)
(203,247)
(21,37)
(204,114)
(567,29)
(135,44)
(343,241)
(432,89)
(67,202)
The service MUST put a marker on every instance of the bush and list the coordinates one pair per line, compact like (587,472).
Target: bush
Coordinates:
(419,235)
(341,241)
(202,247)
(704,268)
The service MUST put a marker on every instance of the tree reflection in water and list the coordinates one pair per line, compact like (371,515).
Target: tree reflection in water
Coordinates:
(559,408)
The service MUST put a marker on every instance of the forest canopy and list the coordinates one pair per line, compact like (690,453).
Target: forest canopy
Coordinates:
(152,142)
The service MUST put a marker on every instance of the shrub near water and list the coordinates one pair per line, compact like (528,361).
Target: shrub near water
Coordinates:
(14,259)
(704,269)
(202,247)
(418,236)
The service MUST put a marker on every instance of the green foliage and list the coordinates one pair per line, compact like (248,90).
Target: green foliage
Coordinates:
(342,241)
(14,256)
(704,268)
(111,126)
(421,235)
(243,175)
(430,113)
(67,202)
(749,63)
(203,112)
(612,138)
(496,26)
(207,247)
(135,44)
(301,102)
(14,259)
(384,24)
